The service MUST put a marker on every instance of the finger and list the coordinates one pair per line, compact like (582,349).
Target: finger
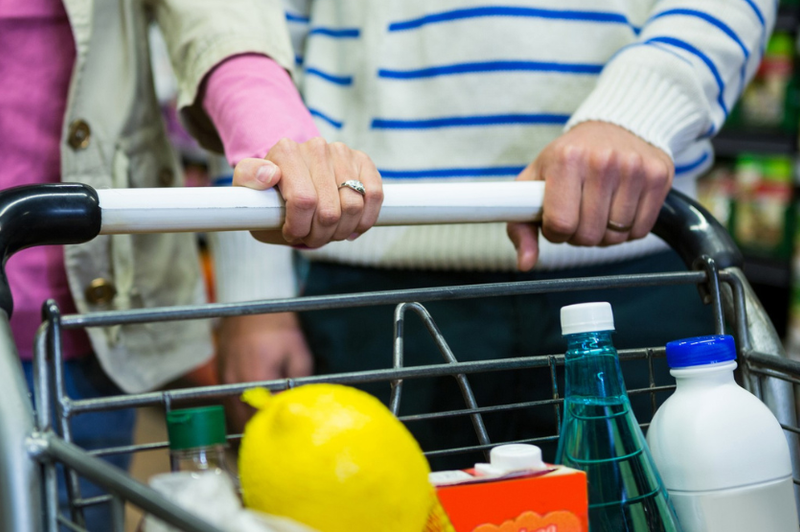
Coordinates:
(271,236)
(373,199)
(258,174)
(297,189)
(601,179)
(328,212)
(525,238)
(530,173)
(563,177)
(625,201)
(300,364)
(658,181)
(351,201)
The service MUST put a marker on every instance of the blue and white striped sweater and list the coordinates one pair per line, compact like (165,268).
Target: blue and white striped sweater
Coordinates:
(474,89)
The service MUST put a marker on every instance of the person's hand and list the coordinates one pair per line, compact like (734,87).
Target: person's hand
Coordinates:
(260,347)
(308,176)
(603,186)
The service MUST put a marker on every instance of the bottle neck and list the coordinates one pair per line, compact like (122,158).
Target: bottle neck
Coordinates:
(592,366)
(200,459)
(705,375)
(211,459)
(580,344)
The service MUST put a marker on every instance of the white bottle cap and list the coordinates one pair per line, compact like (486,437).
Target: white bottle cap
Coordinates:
(587,317)
(510,458)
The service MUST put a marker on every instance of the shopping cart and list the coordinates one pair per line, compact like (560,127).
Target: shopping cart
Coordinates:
(31,446)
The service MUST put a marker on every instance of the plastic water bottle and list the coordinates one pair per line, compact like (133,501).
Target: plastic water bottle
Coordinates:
(600,434)
(198,441)
(201,480)
(722,454)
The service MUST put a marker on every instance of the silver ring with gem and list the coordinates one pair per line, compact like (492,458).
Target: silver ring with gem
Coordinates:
(353,184)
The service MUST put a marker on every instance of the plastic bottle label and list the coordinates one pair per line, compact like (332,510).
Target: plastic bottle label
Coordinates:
(738,509)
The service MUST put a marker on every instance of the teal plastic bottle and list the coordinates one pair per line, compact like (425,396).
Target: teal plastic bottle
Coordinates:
(600,434)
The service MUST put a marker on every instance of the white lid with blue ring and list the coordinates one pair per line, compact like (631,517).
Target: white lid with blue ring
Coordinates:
(700,351)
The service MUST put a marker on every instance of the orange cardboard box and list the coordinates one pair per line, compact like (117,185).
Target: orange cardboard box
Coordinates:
(552,500)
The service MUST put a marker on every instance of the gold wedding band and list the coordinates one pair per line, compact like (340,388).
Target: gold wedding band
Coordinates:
(358,186)
(618,228)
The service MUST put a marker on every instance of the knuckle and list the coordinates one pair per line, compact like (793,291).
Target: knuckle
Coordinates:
(658,173)
(374,196)
(560,226)
(570,153)
(361,156)
(339,148)
(328,216)
(302,201)
(587,238)
(292,234)
(285,146)
(632,163)
(317,147)
(602,160)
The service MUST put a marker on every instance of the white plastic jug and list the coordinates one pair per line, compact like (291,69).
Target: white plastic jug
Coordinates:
(721,453)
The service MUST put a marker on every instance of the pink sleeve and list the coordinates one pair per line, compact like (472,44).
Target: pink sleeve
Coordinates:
(253,104)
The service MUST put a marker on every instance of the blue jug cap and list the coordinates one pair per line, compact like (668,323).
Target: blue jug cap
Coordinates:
(700,351)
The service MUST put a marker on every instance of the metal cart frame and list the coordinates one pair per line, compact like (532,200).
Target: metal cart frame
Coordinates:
(30,446)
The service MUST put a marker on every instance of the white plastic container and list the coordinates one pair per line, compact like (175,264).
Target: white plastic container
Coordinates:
(721,453)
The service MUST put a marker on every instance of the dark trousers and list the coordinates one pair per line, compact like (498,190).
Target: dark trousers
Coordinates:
(356,339)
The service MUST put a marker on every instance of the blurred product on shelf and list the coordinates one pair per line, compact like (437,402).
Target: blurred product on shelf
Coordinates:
(770,100)
(753,199)
(760,218)
(793,327)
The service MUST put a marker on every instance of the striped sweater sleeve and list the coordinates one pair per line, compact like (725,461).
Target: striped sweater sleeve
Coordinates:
(678,82)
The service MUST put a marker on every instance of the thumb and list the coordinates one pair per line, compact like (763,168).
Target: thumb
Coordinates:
(258,174)
(525,238)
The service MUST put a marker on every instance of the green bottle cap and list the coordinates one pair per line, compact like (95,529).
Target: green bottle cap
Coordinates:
(190,428)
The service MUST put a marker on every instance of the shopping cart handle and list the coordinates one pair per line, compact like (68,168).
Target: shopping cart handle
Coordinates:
(40,215)
(73,213)
(693,232)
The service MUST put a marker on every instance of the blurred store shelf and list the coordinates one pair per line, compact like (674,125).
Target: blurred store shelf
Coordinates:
(788,17)
(733,143)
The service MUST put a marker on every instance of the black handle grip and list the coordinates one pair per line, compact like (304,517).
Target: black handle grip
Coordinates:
(693,232)
(39,215)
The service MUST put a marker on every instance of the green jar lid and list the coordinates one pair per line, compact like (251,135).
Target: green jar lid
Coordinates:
(190,428)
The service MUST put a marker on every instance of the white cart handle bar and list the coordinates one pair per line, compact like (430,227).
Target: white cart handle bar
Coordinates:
(166,210)
(72,213)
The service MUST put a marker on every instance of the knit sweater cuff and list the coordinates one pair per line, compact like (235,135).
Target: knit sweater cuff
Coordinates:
(247,270)
(659,101)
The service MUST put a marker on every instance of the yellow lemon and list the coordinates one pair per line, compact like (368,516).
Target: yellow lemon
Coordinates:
(334,458)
